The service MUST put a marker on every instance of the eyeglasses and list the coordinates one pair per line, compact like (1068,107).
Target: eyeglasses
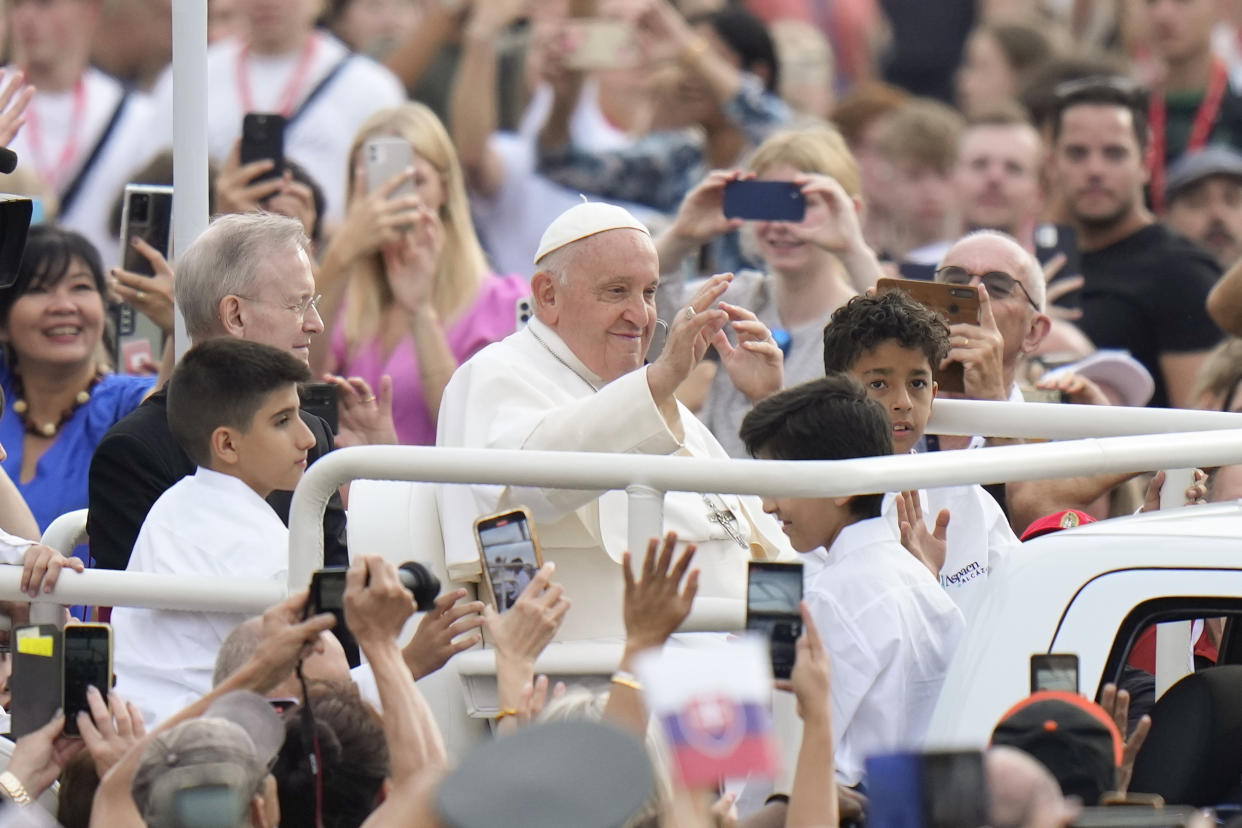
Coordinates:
(999,284)
(300,308)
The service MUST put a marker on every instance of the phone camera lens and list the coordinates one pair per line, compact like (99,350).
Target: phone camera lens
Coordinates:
(140,207)
(954,308)
(422,584)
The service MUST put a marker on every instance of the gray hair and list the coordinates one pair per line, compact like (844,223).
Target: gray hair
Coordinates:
(237,649)
(229,258)
(1032,278)
(557,263)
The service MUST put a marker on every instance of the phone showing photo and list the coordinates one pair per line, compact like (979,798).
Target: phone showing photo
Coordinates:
(263,139)
(88,661)
(773,596)
(384,158)
(1054,671)
(509,553)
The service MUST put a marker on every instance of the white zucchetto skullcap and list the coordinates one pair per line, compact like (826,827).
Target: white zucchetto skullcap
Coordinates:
(586,219)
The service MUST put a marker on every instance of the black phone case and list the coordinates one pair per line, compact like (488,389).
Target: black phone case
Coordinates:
(38,667)
(263,137)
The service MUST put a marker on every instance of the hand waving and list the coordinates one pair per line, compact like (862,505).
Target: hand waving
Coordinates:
(656,605)
(756,365)
(929,547)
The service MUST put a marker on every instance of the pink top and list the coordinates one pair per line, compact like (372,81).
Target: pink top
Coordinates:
(492,317)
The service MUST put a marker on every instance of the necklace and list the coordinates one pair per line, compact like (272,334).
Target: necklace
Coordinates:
(557,357)
(20,407)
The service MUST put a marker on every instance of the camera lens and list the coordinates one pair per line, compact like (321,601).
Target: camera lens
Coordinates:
(422,584)
(140,208)
(954,309)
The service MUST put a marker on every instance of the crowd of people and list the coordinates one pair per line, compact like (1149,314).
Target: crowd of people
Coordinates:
(560,266)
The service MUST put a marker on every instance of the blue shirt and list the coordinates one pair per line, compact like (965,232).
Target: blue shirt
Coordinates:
(59,484)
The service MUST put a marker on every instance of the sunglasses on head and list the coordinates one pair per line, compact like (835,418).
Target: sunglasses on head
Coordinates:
(1000,285)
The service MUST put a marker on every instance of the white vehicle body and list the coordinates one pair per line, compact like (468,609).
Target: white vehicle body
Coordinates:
(1070,592)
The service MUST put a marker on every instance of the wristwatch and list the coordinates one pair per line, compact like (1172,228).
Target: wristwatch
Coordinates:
(12,788)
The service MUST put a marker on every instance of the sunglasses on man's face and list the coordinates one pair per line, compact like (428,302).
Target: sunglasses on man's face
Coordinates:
(1000,285)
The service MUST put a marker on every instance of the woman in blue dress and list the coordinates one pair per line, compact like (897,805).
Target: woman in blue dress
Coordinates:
(60,396)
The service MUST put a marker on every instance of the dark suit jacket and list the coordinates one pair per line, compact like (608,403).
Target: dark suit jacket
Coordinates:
(139,459)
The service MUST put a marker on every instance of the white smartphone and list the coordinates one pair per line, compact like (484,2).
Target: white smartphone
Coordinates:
(385,157)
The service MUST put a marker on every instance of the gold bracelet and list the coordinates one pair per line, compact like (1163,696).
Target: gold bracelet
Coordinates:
(625,679)
(13,788)
(508,711)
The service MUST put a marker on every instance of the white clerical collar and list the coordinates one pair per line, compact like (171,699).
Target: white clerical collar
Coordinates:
(556,346)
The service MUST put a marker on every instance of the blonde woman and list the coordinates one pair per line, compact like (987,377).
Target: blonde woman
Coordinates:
(814,266)
(407,289)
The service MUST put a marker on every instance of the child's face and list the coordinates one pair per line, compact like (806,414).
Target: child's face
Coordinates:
(900,379)
(271,454)
(810,522)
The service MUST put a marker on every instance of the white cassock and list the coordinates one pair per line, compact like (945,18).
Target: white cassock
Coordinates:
(529,391)
(207,524)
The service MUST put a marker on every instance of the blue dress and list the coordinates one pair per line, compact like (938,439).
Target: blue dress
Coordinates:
(59,484)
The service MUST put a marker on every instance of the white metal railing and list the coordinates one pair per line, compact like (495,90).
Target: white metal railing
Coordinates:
(647,478)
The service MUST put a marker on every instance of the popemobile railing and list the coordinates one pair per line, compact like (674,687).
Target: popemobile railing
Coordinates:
(1170,439)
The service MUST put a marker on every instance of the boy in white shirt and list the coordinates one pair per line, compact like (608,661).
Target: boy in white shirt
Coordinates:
(890,629)
(233,407)
(891,343)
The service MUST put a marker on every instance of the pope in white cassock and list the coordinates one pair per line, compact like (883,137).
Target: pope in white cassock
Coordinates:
(574,379)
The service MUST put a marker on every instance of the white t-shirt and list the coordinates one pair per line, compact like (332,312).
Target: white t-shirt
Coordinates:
(320,138)
(890,632)
(55,135)
(207,524)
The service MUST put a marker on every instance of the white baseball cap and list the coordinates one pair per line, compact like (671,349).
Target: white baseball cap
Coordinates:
(1116,369)
(586,219)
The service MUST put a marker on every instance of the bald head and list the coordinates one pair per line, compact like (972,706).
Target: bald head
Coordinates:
(1023,793)
(327,662)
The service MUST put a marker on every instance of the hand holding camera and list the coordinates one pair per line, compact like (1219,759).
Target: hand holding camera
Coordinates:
(376,602)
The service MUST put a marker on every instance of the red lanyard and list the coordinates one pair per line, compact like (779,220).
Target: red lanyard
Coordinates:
(1205,119)
(55,174)
(291,94)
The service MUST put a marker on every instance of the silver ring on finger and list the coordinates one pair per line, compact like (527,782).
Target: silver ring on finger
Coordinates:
(689,312)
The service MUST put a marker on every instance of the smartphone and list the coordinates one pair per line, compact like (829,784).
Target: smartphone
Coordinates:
(16,216)
(327,594)
(37,683)
(510,555)
(263,138)
(525,311)
(773,593)
(146,213)
(944,789)
(320,399)
(956,303)
(1136,816)
(1054,671)
(385,157)
(1054,239)
(88,661)
(764,201)
(596,43)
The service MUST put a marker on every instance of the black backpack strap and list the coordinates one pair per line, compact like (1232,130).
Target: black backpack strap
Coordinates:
(70,194)
(318,89)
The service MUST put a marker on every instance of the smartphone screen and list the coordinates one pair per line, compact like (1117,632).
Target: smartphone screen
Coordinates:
(1054,672)
(263,138)
(764,201)
(510,555)
(773,593)
(88,661)
(592,43)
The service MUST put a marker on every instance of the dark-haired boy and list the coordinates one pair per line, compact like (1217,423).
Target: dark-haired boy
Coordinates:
(890,629)
(890,343)
(233,407)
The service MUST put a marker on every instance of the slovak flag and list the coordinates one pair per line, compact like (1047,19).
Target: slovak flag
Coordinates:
(714,705)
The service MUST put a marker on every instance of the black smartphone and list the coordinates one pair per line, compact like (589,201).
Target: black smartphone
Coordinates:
(15,218)
(1052,240)
(510,556)
(146,213)
(263,138)
(37,683)
(764,201)
(88,661)
(327,594)
(773,596)
(1054,671)
(320,399)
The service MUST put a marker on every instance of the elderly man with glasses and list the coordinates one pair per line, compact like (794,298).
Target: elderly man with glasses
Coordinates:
(1012,320)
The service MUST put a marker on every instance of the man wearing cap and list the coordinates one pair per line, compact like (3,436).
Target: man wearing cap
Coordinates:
(1204,201)
(574,380)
